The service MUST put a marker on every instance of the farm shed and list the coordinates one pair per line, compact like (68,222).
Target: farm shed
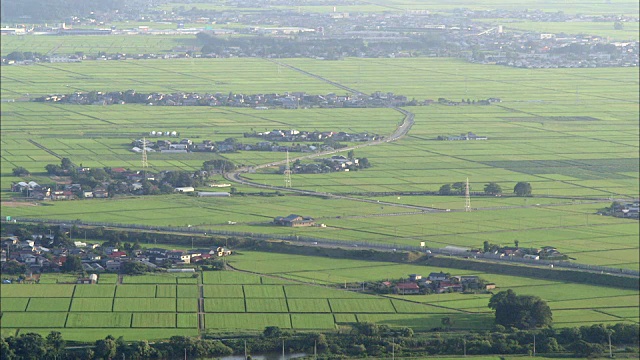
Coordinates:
(181,270)
(212,193)
(184,189)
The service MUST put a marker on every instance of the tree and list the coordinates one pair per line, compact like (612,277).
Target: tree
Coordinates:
(220,165)
(6,353)
(13,267)
(16,56)
(29,346)
(585,349)
(72,264)
(272,332)
(522,189)
(66,164)
(492,189)
(55,343)
(445,189)
(523,312)
(106,349)
(459,187)
(20,171)
(350,154)
(516,243)
(618,25)
(364,163)
(53,169)
(134,268)
(486,246)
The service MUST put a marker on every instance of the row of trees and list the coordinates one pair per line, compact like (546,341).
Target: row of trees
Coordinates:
(458,188)
(364,339)
(34,346)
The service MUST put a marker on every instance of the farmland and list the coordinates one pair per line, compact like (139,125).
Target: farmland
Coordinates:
(237,301)
(95,44)
(571,133)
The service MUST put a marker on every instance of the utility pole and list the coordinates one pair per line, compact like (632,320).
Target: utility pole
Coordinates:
(282,349)
(245,350)
(464,347)
(393,349)
(315,350)
(610,352)
(534,344)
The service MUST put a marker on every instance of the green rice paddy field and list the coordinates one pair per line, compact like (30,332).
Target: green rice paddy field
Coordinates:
(308,296)
(92,44)
(572,133)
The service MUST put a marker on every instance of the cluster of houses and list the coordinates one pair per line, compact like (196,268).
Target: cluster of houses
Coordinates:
(438,283)
(630,210)
(467,136)
(96,258)
(117,181)
(295,135)
(543,253)
(36,191)
(332,164)
(226,146)
(293,100)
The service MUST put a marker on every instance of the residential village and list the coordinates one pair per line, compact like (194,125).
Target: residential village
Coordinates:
(41,253)
(286,100)
(321,140)
(629,210)
(467,136)
(99,183)
(435,283)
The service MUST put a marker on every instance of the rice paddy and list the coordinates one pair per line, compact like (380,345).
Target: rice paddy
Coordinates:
(253,302)
(572,133)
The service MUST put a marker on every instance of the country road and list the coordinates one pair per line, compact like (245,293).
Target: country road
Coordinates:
(400,131)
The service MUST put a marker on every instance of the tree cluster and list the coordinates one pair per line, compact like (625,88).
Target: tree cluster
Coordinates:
(458,188)
(520,311)
(522,189)
(117,183)
(364,339)
(20,171)
(219,165)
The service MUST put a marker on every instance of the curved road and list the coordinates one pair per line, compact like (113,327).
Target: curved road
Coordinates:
(400,131)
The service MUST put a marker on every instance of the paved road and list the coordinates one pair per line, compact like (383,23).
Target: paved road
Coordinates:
(401,130)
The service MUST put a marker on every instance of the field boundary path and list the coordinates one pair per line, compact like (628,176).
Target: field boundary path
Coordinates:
(40,146)
(200,307)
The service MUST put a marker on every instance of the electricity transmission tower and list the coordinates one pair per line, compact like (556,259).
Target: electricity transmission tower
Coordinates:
(145,164)
(287,173)
(467,198)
